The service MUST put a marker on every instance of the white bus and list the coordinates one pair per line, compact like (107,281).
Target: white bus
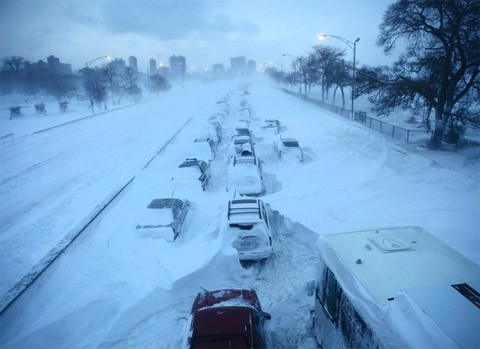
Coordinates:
(394,288)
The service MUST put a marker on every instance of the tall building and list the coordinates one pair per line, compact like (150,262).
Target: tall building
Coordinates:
(39,66)
(55,67)
(238,64)
(132,63)
(152,66)
(178,66)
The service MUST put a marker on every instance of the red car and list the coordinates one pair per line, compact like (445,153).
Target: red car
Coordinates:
(227,318)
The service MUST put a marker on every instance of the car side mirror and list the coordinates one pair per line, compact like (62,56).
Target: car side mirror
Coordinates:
(311,286)
(267,316)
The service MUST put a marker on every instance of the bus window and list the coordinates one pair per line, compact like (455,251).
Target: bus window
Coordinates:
(331,296)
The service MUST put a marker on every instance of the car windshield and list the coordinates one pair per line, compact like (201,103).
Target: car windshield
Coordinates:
(291,144)
(242,131)
(242,140)
(188,164)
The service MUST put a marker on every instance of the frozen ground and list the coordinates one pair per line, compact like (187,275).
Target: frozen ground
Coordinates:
(113,289)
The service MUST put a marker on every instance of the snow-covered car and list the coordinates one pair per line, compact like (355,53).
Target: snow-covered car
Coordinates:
(244,114)
(216,127)
(273,124)
(247,150)
(239,141)
(227,318)
(191,173)
(241,136)
(204,149)
(249,224)
(245,175)
(241,131)
(288,148)
(163,219)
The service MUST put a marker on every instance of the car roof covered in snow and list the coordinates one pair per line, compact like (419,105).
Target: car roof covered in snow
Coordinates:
(244,210)
(220,297)
(408,265)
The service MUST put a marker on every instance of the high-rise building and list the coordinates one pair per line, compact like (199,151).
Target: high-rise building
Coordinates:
(178,66)
(40,66)
(55,67)
(153,66)
(132,63)
(238,64)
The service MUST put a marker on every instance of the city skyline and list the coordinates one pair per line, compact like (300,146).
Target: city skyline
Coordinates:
(205,32)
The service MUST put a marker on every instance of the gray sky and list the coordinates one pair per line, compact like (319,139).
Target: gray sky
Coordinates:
(204,31)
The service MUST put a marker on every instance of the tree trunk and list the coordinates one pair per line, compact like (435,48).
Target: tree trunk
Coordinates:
(441,120)
(323,89)
(343,97)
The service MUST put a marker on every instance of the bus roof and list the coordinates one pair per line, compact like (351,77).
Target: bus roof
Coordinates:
(409,262)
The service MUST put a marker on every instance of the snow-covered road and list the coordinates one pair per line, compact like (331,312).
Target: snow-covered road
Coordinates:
(50,181)
(116,290)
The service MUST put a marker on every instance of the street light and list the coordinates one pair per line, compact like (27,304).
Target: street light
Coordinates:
(285,55)
(96,59)
(353,46)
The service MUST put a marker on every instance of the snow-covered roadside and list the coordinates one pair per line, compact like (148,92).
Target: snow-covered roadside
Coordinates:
(51,181)
(116,290)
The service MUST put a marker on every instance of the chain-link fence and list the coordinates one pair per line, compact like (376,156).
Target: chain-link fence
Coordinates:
(394,131)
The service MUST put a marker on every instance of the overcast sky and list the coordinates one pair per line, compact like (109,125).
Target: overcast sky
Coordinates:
(204,31)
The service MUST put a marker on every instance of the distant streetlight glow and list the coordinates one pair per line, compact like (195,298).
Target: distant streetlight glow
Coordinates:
(353,46)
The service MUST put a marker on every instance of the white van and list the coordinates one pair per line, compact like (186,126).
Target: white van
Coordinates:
(394,288)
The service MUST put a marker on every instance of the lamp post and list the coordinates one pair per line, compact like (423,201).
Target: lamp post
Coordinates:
(286,55)
(353,46)
(96,59)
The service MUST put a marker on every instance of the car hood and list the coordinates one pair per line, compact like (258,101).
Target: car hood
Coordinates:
(164,233)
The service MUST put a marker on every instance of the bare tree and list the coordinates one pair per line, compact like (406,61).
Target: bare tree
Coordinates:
(111,76)
(440,67)
(275,74)
(95,87)
(292,78)
(13,75)
(159,83)
(13,63)
(130,86)
(340,75)
(302,65)
(326,60)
